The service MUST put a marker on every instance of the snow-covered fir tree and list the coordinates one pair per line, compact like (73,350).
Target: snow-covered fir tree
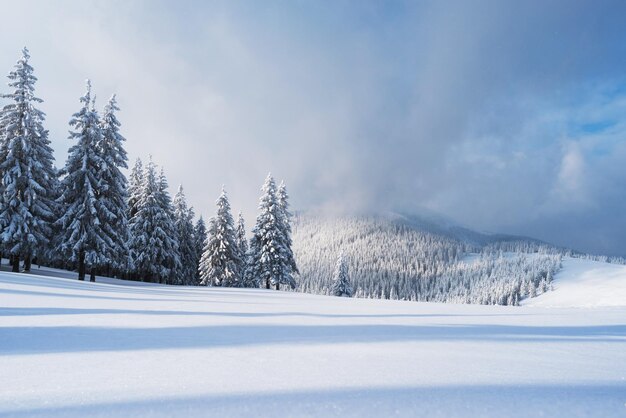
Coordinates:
(199,236)
(135,184)
(242,244)
(219,265)
(269,261)
(205,267)
(153,247)
(250,277)
(169,228)
(52,255)
(183,221)
(341,280)
(26,168)
(285,219)
(87,233)
(113,186)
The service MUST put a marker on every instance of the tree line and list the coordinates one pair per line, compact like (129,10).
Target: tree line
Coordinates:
(87,216)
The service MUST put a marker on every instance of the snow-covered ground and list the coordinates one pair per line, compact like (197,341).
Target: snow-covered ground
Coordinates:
(113,348)
(585,283)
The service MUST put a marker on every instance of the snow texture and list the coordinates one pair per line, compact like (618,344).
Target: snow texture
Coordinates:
(115,348)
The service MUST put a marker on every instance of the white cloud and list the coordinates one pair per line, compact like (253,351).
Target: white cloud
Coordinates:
(456,106)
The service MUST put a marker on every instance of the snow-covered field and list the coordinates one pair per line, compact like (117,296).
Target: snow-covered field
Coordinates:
(113,348)
(584,283)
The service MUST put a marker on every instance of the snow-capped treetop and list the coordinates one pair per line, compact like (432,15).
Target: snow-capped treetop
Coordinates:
(23,81)
(111,133)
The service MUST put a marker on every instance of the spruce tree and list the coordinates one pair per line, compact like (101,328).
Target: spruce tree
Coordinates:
(165,201)
(153,247)
(341,281)
(26,167)
(113,187)
(252,271)
(220,260)
(52,254)
(86,232)
(135,184)
(269,260)
(285,226)
(199,236)
(205,265)
(183,217)
(242,245)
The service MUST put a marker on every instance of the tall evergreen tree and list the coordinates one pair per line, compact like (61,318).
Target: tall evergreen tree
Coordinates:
(285,220)
(183,223)
(52,255)
(341,281)
(164,199)
(135,184)
(199,235)
(220,260)
(86,232)
(269,253)
(26,167)
(113,187)
(242,246)
(153,247)
(252,270)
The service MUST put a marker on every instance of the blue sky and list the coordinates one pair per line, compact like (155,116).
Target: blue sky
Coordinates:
(505,116)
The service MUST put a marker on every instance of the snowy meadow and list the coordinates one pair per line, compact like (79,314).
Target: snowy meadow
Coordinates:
(118,348)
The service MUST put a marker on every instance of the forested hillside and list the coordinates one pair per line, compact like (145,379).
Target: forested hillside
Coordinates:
(397,257)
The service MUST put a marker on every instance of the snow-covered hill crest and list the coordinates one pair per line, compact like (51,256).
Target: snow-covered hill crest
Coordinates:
(585,284)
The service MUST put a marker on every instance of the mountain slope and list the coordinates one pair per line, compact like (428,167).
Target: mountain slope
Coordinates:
(399,257)
(585,283)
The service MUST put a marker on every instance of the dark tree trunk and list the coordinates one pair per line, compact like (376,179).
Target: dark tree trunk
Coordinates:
(16,263)
(27,263)
(92,275)
(278,285)
(267,283)
(81,265)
